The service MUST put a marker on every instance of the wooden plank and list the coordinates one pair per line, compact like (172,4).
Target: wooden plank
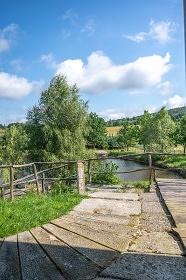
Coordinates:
(173,192)
(9,259)
(73,265)
(35,263)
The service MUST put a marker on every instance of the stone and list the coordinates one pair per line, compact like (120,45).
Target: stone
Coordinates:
(137,266)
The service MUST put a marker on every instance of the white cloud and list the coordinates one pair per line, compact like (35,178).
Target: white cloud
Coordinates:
(100,75)
(159,31)
(15,119)
(175,102)
(140,37)
(49,59)
(69,15)
(165,88)
(89,27)
(8,36)
(16,64)
(13,87)
(112,114)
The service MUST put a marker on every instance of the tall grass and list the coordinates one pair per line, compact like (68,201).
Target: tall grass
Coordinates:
(33,210)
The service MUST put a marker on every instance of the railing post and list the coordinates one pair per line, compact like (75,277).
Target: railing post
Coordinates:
(43,182)
(150,168)
(80,177)
(89,172)
(36,178)
(12,183)
(3,192)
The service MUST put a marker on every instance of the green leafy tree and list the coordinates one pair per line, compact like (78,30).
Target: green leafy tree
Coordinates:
(144,129)
(14,145)
(59,123)
(97,137)
(127,135)
(162,127)
(179,135)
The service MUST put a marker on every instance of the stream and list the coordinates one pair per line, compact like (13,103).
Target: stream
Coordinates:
(127,165)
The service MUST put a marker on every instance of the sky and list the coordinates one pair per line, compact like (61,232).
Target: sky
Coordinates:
(125,56)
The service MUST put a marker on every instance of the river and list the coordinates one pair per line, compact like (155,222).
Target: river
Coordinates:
(127,165)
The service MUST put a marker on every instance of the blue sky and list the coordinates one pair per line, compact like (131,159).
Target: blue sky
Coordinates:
(126,56)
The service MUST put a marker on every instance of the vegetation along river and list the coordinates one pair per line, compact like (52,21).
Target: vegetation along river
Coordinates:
(125,165)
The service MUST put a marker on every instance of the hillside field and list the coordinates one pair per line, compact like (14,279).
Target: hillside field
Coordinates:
(113,130)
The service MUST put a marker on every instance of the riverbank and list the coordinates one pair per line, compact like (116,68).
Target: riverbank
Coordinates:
(174,162)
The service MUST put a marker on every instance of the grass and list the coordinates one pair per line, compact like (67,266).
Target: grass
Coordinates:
(33,210)
(139,186)
(113,130)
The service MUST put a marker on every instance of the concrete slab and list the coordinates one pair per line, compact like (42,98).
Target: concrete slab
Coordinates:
(147,266)
(108,239)
(111,207)
(104,225)
(115,195)
(157,243)
(97,253)
(114,219)
(154,222)
(101,278)
(149,197)
(152,207)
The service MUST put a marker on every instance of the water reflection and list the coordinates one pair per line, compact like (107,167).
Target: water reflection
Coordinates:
(126,165)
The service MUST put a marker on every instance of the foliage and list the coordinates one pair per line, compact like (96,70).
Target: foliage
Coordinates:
(138,185)
(109,177)
(144,129)
(176,114)
(13,144)
(33,210)
(179,135)
(97,136)
(162,128)
(57,127)
(127,135)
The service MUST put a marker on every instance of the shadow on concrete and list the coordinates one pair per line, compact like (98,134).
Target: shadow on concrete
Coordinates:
(30,260)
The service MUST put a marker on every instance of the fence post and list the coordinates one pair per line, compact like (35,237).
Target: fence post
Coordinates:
(150,168)
(43,182)
(3,192)
(89,172)
(80,177)
(12,183)
(36,177)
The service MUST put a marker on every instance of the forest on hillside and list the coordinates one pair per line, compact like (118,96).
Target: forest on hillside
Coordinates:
(176,114)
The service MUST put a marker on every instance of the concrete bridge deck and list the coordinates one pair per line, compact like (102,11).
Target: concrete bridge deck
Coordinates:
(110,235)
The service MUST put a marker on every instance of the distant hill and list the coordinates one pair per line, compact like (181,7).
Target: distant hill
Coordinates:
(176,114)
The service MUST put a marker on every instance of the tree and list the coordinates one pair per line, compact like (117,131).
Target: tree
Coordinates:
(180,133)
(162,128)
(97,137)
(14,144)
(144,129)
(126,135)
(61,120)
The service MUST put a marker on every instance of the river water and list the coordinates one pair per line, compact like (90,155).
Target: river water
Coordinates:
(125,165)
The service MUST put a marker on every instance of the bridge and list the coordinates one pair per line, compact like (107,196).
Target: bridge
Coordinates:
(110,235)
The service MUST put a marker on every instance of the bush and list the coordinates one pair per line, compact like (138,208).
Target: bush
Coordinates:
(108,177)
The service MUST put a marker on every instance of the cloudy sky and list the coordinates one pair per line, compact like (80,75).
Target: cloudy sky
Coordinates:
(126,56)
